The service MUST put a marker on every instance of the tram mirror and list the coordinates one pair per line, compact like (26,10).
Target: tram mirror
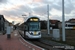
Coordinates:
(25,27)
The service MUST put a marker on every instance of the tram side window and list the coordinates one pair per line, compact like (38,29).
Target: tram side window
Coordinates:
(39,26)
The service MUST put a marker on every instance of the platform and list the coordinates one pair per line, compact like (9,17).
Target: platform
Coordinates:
(15,43)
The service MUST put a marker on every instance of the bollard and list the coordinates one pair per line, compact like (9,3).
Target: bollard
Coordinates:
(11,31)
(12,34)
(8,32)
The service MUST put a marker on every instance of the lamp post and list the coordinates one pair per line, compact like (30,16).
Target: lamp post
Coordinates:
(24,25)
(63,21)
(24,17)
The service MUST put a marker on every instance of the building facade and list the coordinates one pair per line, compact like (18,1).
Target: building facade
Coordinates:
(2,23)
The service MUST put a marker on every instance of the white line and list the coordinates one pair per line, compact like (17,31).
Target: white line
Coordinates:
(29,47)
(33,49)
(32,44)
(21,41)
(25,45)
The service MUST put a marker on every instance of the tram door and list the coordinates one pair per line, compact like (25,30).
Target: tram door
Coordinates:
(25,29)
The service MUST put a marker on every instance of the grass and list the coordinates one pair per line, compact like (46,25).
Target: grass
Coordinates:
(72,43)
(69,36)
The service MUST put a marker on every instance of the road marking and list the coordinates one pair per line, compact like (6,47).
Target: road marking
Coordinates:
(15,34)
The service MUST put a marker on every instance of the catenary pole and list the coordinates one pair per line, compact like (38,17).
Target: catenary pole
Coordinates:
(48,19)
(63,21)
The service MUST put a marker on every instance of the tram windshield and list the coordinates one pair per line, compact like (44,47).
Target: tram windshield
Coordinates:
(34,26)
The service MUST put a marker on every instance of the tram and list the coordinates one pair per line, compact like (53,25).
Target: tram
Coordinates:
(32,28)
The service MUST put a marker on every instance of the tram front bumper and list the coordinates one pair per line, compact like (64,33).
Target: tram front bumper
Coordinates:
(35,36)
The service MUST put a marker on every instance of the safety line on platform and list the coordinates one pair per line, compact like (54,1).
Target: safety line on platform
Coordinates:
(32,44)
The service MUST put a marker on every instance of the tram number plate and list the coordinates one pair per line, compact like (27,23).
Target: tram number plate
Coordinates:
(35,33)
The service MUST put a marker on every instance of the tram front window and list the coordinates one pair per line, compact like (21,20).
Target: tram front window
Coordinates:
(34,26)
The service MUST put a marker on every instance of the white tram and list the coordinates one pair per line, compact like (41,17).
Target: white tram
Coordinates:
(32,28)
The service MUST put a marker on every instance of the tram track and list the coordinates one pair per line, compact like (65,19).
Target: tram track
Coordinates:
(42,44)
(47,46)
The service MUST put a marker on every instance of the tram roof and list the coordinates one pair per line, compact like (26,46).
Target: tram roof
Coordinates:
(30,17)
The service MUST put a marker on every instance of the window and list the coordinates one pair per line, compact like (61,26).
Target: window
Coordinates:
(34,26)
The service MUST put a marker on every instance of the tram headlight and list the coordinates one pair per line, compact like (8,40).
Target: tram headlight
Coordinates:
(31,33)
(39,33)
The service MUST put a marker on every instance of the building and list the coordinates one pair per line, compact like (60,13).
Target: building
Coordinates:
(43,24)
(54,23)
(3,24)
(70,24)
(2,20)
(6,24)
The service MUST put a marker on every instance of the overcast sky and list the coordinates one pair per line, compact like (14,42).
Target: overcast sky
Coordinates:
(14,9)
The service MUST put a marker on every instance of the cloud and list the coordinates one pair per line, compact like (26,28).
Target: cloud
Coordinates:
(44,1)
(25,8)
(57,7)
(38,8)
(16,12)
(56,17)
(42,10)
(57,4)
(36,0)
(69,17)
(8,13)
(3,1)
(14,18)
(69,7)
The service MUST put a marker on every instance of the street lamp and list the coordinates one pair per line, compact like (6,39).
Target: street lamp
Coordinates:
(23,23)
(24,17)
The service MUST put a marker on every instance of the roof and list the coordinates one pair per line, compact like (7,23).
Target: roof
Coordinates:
(53,21)
(67,21)
(70,21)
(1,16)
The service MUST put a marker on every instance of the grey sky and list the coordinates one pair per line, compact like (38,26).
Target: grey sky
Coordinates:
(37,7)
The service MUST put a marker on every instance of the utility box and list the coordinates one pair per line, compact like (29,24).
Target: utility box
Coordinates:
(56,34)
(8,32)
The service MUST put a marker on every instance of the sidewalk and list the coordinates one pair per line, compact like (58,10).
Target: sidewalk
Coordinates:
(11,44)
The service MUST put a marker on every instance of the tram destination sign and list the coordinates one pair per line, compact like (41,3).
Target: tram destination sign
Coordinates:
(33,19)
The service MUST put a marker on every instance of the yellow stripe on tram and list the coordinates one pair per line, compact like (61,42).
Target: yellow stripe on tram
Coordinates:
(35,33)
(73,27)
